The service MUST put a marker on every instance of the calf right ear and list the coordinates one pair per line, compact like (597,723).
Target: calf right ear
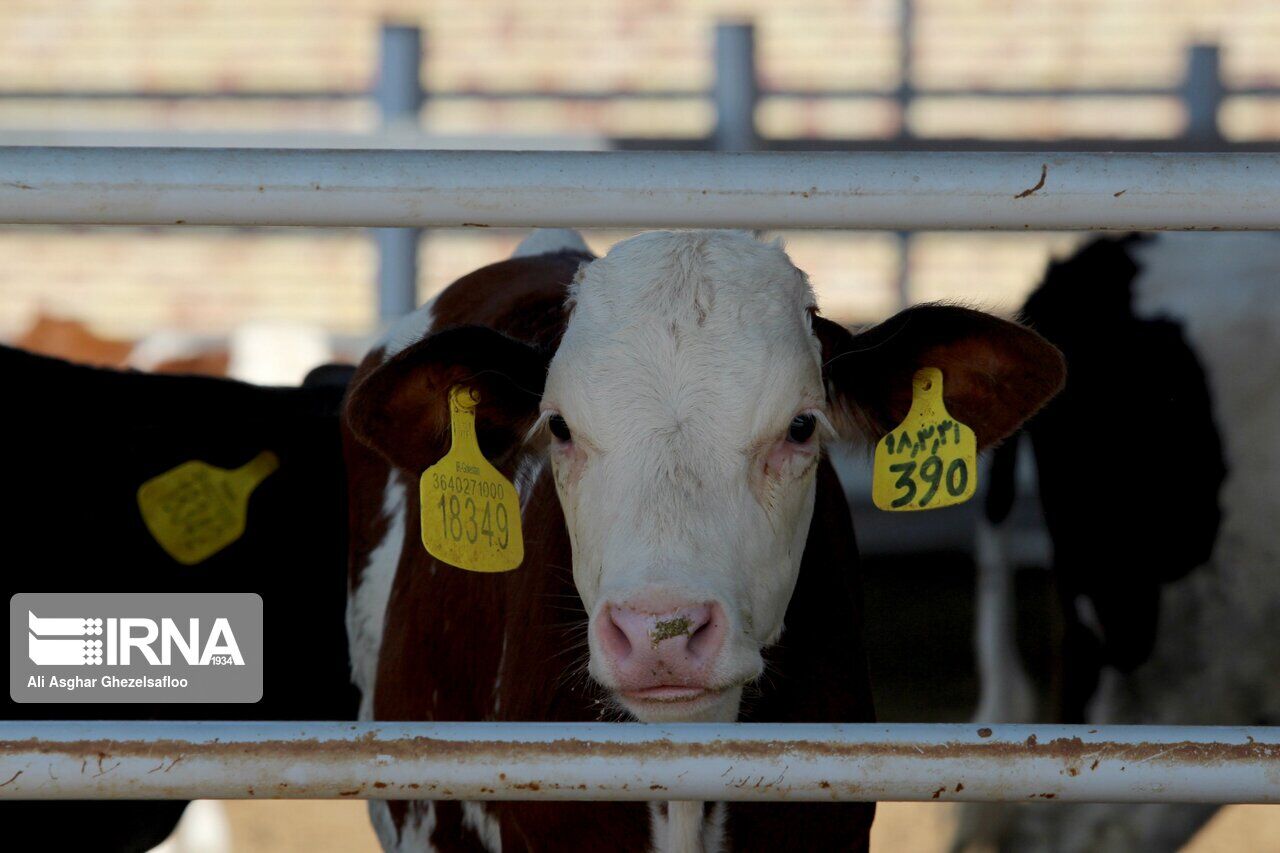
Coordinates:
(401,408)
(996,374)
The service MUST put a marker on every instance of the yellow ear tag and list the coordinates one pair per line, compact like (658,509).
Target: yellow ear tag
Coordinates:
(470,512)
(929,460)
(195,510)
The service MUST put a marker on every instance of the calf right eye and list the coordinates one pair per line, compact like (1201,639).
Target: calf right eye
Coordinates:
(802,427)
(559,428)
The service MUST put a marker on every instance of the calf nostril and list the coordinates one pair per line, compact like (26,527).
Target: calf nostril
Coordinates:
(705,639)
(705,642)
(615,638)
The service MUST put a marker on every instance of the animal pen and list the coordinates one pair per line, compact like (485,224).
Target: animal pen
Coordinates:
(713,762)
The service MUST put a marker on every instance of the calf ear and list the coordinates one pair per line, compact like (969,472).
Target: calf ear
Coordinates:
(995,374)
(401,408)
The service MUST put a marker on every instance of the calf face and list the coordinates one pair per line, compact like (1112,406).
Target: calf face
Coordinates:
(683,414)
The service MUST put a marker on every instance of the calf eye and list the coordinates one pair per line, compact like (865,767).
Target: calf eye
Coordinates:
(802,427)
(559,428)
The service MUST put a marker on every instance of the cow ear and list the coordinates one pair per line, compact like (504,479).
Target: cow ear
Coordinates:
(995,374)
(401,408)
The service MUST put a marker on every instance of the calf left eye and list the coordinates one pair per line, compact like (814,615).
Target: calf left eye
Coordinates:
(559,428)
(802,427)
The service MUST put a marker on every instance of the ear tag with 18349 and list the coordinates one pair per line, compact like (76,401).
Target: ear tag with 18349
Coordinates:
(929,460)
(470,512)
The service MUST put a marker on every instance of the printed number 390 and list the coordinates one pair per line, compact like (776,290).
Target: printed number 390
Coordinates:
(930,473)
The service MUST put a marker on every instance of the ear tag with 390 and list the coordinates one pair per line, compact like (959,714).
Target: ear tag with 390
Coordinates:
(470,512)
(929,460)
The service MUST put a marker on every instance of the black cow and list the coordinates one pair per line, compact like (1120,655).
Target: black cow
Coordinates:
(80,441)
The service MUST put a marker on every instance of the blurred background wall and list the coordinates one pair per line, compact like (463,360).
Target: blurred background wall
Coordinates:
(606,73)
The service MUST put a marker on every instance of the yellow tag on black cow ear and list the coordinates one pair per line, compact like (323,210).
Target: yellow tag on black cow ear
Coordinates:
(196,509)
(470,512)
(930,459)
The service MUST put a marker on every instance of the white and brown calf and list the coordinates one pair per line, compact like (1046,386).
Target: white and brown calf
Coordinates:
(663,412)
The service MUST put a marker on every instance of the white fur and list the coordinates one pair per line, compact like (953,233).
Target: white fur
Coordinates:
(276,353)
(543,241)
(203,828)
(476,817)
(170,345)
(685,354)
(528,470)
(1218,650)
(367,603)
(415,834)
(408,330)
(383,826)
(686,828)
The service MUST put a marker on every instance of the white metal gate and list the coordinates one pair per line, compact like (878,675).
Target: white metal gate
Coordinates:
(140,760)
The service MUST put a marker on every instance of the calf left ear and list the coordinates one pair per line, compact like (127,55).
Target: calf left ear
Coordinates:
(401,408)
(995,374)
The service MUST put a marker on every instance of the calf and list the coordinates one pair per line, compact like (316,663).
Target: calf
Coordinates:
(1159,477)
(662,412)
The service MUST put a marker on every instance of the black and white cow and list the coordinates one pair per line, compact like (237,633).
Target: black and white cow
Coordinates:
(1159,479)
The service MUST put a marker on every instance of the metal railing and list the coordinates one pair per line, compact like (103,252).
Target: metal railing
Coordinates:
(175,186)
(632,761)
(735,92)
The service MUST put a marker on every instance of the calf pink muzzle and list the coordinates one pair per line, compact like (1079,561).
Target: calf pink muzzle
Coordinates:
(661,652)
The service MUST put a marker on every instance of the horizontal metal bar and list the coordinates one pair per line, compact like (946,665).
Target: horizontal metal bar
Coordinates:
(878,190)
(603,761)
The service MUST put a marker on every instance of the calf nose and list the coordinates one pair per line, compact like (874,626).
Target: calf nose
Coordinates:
(673,646)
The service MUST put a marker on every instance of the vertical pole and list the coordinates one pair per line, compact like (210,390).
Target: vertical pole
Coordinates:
(736,89)
(1202,93)
(399,96)
(906,48)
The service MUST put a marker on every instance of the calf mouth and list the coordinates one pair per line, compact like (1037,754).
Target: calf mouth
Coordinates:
(671,693)
(676,703)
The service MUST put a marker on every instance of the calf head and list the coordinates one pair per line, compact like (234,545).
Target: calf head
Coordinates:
(683,412)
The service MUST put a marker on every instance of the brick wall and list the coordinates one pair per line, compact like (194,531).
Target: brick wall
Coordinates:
(131,281)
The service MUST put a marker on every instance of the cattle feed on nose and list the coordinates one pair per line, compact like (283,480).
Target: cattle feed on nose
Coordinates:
(678,627)
(676,525)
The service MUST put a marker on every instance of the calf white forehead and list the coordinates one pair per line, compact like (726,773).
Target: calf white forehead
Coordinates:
(673,328)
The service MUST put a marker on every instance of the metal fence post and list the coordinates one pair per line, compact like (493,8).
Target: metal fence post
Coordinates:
(399,96)
(905,93)
(1202,93)
(736,89)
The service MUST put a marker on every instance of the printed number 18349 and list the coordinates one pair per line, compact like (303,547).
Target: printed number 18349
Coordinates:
(462,518)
